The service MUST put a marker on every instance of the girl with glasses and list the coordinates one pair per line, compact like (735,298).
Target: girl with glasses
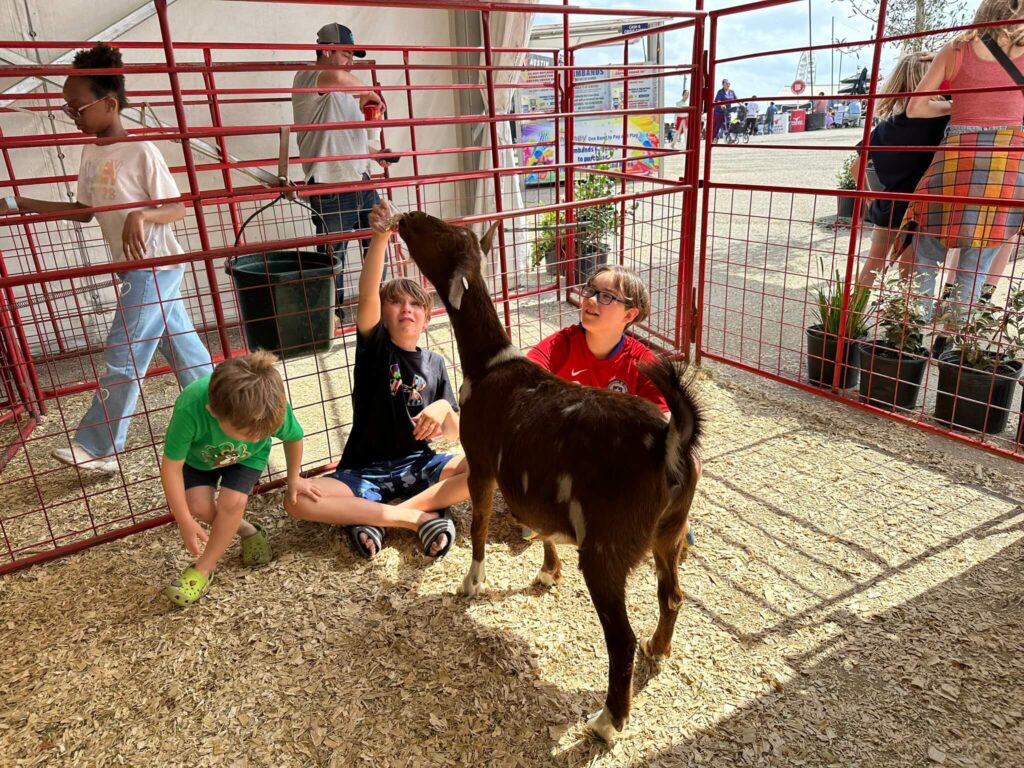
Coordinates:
(596,352)
(150,312)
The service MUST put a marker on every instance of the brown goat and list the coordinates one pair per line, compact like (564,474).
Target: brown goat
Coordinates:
(594,468)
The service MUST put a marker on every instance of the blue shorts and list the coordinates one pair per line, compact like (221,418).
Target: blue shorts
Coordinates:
(400,478)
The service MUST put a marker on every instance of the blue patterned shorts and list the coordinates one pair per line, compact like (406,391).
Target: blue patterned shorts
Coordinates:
(401,478)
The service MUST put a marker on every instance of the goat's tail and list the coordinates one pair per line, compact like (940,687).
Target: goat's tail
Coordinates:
(686,424)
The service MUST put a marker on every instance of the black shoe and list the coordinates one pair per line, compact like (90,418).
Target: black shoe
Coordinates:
(939,345)
(339,312)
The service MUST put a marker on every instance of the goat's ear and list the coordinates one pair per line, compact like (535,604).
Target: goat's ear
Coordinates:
(487,241)
(458,286)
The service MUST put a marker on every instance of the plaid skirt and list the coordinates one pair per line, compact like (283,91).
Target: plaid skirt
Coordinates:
(975,173)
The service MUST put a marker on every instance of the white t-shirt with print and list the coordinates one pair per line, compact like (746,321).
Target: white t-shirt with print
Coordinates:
(128,172)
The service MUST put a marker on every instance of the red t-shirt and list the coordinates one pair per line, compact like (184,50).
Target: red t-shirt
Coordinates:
(567,355)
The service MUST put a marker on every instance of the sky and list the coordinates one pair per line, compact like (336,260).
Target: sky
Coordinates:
(759,31)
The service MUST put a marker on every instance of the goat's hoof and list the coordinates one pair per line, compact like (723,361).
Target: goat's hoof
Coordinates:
(600,725)
(474,584)
(647,646)
(547,579)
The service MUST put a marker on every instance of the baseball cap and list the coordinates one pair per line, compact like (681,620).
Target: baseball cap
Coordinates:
(338,34)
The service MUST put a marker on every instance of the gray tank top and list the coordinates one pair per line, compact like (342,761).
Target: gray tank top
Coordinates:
(332,107)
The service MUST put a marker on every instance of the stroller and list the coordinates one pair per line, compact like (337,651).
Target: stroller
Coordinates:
(736,126)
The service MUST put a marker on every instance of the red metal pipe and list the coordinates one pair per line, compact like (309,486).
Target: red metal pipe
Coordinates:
(193,179)
(862,164)
(488,6)
(688,213)
(709,140)
(499,203)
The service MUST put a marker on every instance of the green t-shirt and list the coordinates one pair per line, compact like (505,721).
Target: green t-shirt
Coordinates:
(195,436)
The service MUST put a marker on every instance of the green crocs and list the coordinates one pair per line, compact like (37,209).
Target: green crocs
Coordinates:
(188,588)
(256,548)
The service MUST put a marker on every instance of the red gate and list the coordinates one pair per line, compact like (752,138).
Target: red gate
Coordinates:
(769,248)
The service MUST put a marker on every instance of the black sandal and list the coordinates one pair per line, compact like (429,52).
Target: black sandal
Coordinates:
(373,532)
(430,530)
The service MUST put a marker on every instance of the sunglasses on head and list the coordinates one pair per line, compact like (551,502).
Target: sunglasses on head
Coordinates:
(75,113)
(603,297)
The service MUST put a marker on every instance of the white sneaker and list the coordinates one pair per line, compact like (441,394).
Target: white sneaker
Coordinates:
(77,456)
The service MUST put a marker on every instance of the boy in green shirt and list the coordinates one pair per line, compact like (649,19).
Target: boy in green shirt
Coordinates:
(220,434)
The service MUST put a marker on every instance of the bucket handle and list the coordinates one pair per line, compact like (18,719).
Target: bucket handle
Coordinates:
(283,196)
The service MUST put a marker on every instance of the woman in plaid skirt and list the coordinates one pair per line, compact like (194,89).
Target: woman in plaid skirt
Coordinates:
(980,155)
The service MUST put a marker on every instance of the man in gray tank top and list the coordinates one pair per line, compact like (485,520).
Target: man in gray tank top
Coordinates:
(326,153)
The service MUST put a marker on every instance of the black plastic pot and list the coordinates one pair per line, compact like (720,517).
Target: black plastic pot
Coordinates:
(891,379)
(972,400)
(845,207)
(588,259)
(821,359)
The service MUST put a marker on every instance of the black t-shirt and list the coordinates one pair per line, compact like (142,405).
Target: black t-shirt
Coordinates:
(391,386)
(901,171)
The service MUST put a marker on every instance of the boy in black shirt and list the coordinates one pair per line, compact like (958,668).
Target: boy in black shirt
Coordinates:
(402,398)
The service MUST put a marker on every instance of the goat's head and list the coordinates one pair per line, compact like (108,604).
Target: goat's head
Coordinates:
(448,256)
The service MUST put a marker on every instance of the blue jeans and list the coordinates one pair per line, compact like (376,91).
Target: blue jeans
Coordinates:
(343,212)
(150,315)
(972,269)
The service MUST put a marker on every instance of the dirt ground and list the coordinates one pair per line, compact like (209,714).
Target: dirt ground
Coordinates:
(853,599)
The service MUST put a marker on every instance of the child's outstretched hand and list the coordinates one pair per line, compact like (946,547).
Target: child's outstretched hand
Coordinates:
(194,536)
(303,487)
(383,218)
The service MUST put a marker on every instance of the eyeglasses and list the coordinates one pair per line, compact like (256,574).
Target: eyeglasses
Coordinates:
(76,113)
(604,298)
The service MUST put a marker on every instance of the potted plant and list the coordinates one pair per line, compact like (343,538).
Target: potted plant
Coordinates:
(977,375)
(893,364)
(846,180)
(823,337)
(593,224)
(545,246)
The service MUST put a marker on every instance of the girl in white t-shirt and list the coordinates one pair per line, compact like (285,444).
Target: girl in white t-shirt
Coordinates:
(150,312)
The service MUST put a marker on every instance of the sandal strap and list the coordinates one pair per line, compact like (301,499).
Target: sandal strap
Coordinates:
(373,532)
(430,530)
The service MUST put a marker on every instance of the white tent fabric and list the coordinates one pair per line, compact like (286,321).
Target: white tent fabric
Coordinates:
(508,30)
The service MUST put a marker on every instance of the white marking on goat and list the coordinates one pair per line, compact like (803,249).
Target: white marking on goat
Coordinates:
(648,438)
(498,469)
(464,391)
(600,724)
(465,283)
(564,488)
(547,579)
(473,584)
(579,525)
(559,538)
(526,482)
(570,409)
(508,353)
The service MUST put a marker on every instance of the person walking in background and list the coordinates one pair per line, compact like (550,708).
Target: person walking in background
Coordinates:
(769,118)
(725,93)
(750,122)
(981,150)
(682,121)
(150,311)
